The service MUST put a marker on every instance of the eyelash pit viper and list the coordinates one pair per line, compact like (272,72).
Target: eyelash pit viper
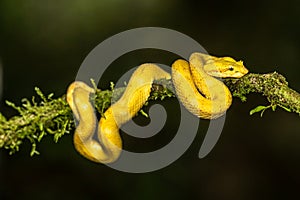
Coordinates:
(196,87)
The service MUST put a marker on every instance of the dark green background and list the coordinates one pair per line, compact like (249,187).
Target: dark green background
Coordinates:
(44,42)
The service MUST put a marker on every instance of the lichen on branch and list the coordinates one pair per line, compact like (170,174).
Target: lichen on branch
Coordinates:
(53,116)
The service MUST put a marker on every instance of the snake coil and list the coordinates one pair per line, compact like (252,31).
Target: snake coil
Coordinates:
(195,85)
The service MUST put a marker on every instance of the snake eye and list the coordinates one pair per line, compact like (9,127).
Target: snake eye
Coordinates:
(231,68)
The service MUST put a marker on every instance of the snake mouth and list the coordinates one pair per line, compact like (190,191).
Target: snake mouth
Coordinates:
(242,73)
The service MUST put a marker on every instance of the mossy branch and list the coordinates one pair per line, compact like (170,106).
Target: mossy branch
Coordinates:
(54,116)
(272,85)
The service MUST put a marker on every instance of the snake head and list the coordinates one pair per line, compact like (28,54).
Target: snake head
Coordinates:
(225,67)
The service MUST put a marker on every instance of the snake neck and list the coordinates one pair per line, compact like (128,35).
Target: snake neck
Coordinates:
(210,87)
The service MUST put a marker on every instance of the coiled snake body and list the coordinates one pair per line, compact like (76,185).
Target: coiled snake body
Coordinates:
(195,85)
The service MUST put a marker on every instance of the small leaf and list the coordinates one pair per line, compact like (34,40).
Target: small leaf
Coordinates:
(41,126)
(41,136)
(33,150)
(50,95)
(40,93)
(285,108)
(93,83)
(2,118)
(11,104)
(144,113)
(112,86)
(258,109)
(262,112)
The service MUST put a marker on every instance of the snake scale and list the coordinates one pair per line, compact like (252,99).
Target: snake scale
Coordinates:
(196,87)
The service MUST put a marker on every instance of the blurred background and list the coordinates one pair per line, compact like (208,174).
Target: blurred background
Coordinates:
(43,43)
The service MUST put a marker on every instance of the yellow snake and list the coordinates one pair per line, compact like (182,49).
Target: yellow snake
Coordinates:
(195,85)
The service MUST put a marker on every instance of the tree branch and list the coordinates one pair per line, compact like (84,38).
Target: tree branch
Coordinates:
(54,116)
(272,85)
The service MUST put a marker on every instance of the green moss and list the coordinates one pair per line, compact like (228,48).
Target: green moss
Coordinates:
(35,120)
